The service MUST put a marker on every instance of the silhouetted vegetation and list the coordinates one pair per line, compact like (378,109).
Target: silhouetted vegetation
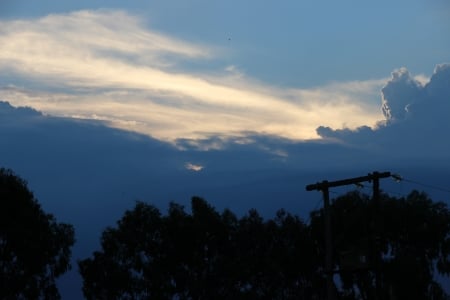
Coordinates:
(405,240)
(202,255)
(34,248)
(211,255)
(387,249)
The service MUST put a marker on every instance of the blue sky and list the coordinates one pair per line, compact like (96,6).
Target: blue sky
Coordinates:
(242,103)
(295,43)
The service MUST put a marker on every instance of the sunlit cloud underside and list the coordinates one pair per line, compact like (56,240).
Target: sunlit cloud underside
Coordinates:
(108,65)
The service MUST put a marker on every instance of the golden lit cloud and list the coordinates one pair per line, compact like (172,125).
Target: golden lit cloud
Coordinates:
(107,65)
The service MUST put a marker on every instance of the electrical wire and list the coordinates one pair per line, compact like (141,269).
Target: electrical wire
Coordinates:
(435,187)
(315,209)
(394,193)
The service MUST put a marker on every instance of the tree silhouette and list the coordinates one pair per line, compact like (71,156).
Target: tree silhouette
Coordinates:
(202,255)
(34,248)
(386,250)
(405,239)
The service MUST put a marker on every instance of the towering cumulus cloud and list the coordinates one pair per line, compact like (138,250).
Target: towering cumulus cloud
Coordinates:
(400,92)
(436,102)
(417,118)
(405,97)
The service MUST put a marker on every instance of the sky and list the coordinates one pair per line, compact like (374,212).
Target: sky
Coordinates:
(109,102)
(209,68)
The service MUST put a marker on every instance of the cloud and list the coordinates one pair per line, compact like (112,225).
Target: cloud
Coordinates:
(416,124)
(407,137)
(406,97)
(438,87)
(427,102)
(110,66)
(193,167)
(400,92)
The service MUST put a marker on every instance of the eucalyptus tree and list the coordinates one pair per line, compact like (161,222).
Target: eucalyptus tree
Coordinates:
(202,255)
(34,248)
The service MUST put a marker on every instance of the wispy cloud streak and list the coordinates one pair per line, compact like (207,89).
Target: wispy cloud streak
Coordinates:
(108,65)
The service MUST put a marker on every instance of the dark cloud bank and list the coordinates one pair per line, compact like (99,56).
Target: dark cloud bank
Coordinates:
(87,173)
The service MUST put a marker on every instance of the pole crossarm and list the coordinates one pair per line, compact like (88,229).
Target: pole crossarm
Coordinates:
(320,186)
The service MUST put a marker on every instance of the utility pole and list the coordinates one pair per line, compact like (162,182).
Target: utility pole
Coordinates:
(324,186)
(376,232)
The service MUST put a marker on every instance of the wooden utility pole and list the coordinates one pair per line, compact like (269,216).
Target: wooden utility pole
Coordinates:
(376,232)
(324,186)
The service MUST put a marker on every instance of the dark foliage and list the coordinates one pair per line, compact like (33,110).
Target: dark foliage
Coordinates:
(202,255)
(34,248)
(398,243)
(406,241)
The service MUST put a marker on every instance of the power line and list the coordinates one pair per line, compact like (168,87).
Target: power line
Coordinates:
(316,207)
(394,193)
(399,178)
(435,187)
